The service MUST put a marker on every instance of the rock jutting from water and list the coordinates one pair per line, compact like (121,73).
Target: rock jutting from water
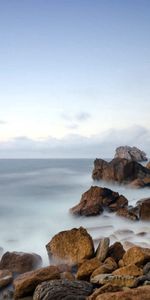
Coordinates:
(130,153)
(122,170)
(94,274)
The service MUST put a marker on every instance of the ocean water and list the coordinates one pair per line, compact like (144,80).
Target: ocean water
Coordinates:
(35,198)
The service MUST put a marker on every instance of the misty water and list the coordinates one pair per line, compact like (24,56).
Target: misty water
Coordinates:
(35,197)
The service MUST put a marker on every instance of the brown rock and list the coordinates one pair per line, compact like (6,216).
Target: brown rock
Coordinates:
(63,289)
(5,278)
(67,275)
(141,293)
(116,251)
(136,255)
(104,289)
(96,199)
(130,153)
(119,169)
(103,269)
(25,284)
(144,209)
(140,182)
(111,262)
(126,213)
(119,280)
(20,262)
(131,270)
(87,268)
(76,245)
(148,165)
(102,249)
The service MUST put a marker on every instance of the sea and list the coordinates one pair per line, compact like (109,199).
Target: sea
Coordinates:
(35,198)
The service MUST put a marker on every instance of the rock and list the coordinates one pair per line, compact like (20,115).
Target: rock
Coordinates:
(87,268)
(141,293)
(96,199)
(121,170)
(136,255)
(144,209)
(103,269)
(130,153)
(119,280)
(131,270)
(116,251)
(20,262)
(6,277)
(126,213)
(146,268)
(104,289)
(67,275)
(25,284)
(142,279)
(76,245)
(148,165)
(140,183)
(63,289)
(111,262)
(102,249)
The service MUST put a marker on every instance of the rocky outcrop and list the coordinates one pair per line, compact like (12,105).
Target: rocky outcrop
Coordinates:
(25,284)
(96,199)
(63,289)
(6,277)
(130,153)
(20,262)
(70,246)
(122,171)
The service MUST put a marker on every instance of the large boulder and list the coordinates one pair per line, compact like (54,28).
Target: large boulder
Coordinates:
(25,284)
(121,170)
(63,289)
(20,262)
(136,255)
(144,209)
(70,246)
(96,199)
(130,153)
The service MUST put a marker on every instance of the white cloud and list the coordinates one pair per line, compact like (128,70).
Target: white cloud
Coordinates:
(102,145)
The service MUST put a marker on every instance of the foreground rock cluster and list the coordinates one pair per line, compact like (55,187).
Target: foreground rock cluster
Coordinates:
(98,199)
(77,271)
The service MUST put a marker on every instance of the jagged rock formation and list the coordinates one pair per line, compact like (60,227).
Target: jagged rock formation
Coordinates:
(130,153)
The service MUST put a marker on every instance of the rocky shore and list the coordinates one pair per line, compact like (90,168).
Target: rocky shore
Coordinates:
(77,270)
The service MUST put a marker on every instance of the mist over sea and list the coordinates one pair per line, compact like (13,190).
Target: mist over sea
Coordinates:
(35,197)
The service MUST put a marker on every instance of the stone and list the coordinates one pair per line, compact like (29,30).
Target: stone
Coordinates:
(131,270)
(103,269)
(140,182)
(67,275)
(136,255)
(76,245)
(142,279)
(148,165)
(119,280)
(6,277)
(122,171)
(144,209)
(126,213)
(116,251)
(25,284)
(20,262)
(104,289)
(96,200)
(130,153)
(111,263)
(63,289)
(102,249)
(140,293)
(146,268)
(87,268)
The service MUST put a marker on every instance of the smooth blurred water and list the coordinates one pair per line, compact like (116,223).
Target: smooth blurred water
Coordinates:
(35,197)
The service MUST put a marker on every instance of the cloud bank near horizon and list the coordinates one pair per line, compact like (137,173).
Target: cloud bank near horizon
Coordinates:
(76,146)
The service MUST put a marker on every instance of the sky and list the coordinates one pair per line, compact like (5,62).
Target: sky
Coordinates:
(74,77)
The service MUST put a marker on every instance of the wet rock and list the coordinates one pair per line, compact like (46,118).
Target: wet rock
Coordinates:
(120,170)
(111,262)
(131,270)
(6,277)
(25,284)
(119,280)
(20,262)
(142,279)
(87,268)
(140,182)
(76,245)
(148,165)
(146,268)
(116,251)
(104,289)
(67,275)
(144,209)
(63,289)
(126,213)
(96,199)
(141,293)
(102,249)
(130,153)
(103,269)
(136,255)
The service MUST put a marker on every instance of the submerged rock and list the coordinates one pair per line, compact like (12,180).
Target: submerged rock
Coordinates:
(96,199)
(63,289)
(130,153)
(70,246)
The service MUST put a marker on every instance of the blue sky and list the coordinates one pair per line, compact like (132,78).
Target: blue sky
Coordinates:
(73,70)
